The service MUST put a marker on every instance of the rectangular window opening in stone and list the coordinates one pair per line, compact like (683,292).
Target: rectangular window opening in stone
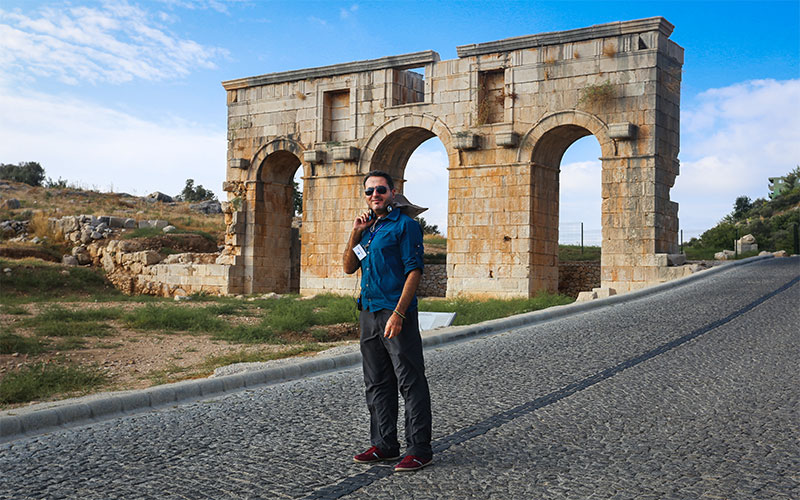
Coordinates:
(408,86)
(491,96)
(336,116)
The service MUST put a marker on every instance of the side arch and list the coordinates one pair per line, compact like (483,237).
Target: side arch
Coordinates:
(545,145)
(409,130)
(286,148)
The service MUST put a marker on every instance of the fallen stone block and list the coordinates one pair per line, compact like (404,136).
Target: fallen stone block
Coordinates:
(69,260)
(676,259)
(159,196)
(207,207)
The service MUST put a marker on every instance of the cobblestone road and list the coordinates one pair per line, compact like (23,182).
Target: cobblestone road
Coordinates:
(689,393)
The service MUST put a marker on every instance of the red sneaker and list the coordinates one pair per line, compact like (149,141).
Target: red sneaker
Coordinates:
(412,463)
(372,455)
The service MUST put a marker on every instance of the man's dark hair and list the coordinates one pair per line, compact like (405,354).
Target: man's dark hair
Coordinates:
(379,173)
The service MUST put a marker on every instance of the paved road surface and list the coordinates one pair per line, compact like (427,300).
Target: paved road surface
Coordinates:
(689,393)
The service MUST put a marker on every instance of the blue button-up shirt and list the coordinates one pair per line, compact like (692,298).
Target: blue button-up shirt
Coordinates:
(394,249)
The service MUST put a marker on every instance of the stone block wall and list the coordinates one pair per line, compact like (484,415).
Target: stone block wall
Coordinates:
(505,111)
(136,271)
(434,281)
(576,277)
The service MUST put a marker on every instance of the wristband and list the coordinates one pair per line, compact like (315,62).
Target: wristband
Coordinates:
(398,313)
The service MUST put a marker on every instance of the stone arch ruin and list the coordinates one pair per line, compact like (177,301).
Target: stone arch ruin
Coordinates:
(505,111)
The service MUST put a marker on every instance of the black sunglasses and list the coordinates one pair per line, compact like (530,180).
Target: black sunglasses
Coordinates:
(379,189)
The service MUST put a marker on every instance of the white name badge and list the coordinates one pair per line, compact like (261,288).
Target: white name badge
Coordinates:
(359,251)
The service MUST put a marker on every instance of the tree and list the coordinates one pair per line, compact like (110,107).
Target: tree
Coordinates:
(198,193)
(297,199)
(29,172)
(792,179)
(426,229)
(742,205)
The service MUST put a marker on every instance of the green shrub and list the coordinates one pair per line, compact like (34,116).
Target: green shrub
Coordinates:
(29,172)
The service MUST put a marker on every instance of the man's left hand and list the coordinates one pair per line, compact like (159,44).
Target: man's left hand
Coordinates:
(393,326)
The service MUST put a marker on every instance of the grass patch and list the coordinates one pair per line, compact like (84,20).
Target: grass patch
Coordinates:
(175,318)
(226,309)
(59,322)
(142,232)
(13,310)
(11,343)
(77,329)
(41,380)
(693,253)
(35,280)
(435,258)
(175,373)
(68,344)
(151,232)
(469,312)
(572,253)
(56,313)
(288,314)
(249,334)
(434,239)
(214,362)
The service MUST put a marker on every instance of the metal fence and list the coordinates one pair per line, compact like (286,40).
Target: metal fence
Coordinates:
(574,233)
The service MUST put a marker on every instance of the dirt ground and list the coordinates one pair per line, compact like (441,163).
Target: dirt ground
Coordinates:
(136,360)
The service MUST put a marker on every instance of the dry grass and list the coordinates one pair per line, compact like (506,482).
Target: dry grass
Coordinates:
(41,227)
(40,203)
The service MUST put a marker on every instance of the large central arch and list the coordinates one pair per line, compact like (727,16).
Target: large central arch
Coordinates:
(505,112)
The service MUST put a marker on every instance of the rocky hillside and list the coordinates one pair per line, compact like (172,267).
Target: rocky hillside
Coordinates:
(59,223)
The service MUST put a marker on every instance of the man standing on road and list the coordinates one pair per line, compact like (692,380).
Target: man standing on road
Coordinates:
(387,246)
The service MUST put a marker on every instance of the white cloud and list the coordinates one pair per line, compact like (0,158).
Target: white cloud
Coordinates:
(427,182)
(733,139)
(219,6)
(115,43)
(345,13)
(97,147)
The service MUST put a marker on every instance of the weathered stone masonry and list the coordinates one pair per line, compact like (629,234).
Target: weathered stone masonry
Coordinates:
(506,112)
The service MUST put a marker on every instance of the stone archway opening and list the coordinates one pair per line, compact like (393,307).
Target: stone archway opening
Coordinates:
(547,157)
(276,243)
(579,217)
(417,160)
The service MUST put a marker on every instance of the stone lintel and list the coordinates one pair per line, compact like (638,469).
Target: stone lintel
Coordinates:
(507,139)
(569,36)
(466,141)
(623,130)
(239,163)
(345,153)
(314,156)
(403,61)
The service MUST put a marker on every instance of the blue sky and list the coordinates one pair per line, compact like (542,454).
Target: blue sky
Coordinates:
(126,95)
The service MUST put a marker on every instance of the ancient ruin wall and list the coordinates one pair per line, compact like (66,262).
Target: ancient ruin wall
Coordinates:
(505,111)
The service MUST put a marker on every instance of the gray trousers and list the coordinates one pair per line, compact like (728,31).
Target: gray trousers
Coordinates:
(389,365)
